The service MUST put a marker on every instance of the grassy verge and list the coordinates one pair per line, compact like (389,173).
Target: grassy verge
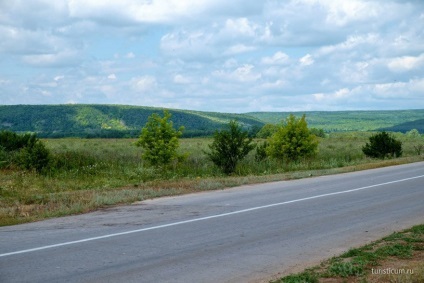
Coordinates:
(93,173)
(396,258)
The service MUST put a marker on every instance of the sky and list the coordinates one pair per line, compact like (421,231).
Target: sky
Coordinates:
(232,56)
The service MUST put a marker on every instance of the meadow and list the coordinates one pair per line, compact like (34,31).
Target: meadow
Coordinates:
(89,174)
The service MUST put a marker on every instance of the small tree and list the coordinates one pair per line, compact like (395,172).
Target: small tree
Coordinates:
(229,147)
(293,140)
(159,140)
(414,133)
(382,145)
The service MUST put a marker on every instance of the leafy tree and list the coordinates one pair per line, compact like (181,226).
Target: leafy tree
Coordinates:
(414,133)
(159,140)
(382,145)
(318,132)
(266,131)
(229,147)
(293,140)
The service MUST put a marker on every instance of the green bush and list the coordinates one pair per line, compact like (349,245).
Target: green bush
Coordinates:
(33,156)
(229,147)
(293,140)
(261,152)
(11,141)
(3,157)
(382,145)
(26,151)
(266,131)
(414,133)
(159,140)
(318,132)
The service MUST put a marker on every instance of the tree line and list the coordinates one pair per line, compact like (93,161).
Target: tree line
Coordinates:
(289,141)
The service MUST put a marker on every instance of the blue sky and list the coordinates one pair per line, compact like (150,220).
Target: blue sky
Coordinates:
(214,55)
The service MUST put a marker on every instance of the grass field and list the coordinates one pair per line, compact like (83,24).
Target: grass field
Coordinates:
(93,173)
(397,258)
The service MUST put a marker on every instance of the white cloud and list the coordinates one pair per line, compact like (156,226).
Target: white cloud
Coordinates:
(238,48)
(155,11)
(342,13)
(306,60)
(406,63)
(352,43)
(180,79)
(144,83)
(359,54)
(64,57)
(243,73)
(130,55)
(278,58)
(240,27)
(187,44)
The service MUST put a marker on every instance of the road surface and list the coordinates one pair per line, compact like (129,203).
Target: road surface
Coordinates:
(243,234)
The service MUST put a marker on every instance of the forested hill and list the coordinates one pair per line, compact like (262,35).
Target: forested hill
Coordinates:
(109,120)
(81,120)
(341,121)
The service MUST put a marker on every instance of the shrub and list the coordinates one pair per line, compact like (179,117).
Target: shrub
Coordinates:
(34,156)
(382,145)
(414,133)
(3,157)
(266,131)
(11,141)
(293,140)
(318,132)
(229,147)
(159,140)
(26,151)
(261,152)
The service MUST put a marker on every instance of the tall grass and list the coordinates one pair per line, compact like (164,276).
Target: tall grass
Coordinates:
(90,173)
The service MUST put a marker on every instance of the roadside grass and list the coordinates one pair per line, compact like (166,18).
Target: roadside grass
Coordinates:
(93,173)
(397,258)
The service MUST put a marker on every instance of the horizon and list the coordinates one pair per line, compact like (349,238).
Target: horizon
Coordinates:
(194,110)
(215,56)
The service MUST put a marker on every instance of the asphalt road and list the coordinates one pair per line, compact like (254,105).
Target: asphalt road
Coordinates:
(244,234)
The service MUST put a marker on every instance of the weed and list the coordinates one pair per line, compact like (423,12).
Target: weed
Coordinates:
(399,250)
(345,269)
(394,237)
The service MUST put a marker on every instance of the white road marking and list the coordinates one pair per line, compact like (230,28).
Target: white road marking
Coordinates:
(201,218)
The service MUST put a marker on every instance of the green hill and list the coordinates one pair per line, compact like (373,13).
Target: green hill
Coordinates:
(108,120)
(81,120)
(340,121)
(407,126)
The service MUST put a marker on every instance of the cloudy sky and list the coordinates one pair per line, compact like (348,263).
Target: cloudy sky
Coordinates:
(214,55)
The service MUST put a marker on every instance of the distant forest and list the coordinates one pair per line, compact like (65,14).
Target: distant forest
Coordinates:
(109,121)
(119,121)
(346,121)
